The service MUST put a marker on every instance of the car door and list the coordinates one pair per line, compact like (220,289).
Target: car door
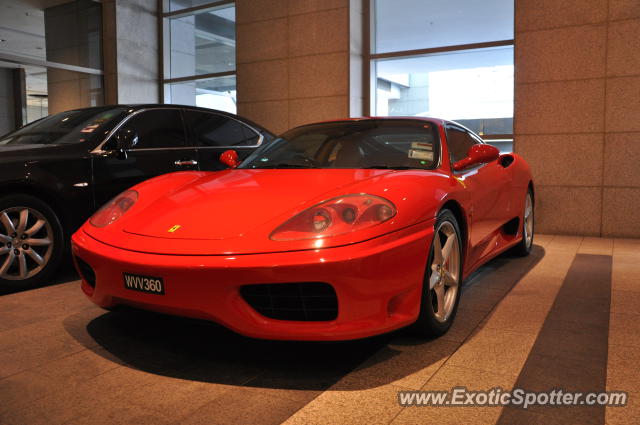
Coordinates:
(487,188)
(162,147)
(214,133)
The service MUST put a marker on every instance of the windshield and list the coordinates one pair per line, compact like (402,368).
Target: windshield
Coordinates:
(393,144)
(65,127)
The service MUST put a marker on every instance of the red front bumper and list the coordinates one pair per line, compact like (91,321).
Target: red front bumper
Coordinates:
(377,282)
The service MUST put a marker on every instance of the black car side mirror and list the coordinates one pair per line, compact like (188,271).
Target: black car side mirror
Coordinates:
(125,140)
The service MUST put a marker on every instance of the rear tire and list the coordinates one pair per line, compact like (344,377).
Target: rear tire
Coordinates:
(31,241)
(442,278)
(523,248)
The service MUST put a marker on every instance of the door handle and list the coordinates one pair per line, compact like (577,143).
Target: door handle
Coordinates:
(185,162)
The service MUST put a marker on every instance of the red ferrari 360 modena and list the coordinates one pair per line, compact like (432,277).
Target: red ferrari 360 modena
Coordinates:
(337,230)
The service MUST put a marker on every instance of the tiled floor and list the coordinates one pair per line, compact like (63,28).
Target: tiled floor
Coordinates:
(567,316)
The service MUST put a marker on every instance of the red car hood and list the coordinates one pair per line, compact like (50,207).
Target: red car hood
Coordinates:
(230,204)
(234,212)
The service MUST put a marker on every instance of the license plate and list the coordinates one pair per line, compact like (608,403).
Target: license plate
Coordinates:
(148,284)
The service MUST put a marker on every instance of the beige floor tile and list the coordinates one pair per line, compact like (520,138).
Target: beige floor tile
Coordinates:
(536,290)
(623,373)
(543,240)
(626,415)
(409,363)
(243,407)
(626,247)
(447,378)
(119,415)
(596,246)
(626,302)
(516,314)
(465,323)
(481,298)
(373,406)
(564,243)
(624,329)
(486,350)
(626,273)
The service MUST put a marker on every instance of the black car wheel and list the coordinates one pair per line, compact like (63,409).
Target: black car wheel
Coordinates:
(442,278)
(31,241)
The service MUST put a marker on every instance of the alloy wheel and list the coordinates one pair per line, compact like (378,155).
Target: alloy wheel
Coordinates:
(445,271)
(528,221)
(26,243)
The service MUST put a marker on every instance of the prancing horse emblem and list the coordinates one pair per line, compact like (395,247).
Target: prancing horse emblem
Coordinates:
(174,228)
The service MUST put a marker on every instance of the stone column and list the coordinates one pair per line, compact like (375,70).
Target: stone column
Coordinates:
(577,112)
(293,61)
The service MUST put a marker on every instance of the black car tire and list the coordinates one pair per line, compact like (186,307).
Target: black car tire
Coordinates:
(52,226)
(428,325)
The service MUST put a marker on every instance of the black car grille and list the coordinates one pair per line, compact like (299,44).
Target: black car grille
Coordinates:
(86,271)
(305,301)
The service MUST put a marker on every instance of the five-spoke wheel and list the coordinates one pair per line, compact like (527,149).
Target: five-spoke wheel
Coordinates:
(441,287)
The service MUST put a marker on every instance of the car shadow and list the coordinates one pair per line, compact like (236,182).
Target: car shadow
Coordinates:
(205,352)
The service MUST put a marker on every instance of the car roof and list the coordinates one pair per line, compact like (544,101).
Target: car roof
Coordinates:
(138,106)
(392,118)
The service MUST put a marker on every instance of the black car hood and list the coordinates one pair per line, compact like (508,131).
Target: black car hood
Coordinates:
(12,148)
(35,152)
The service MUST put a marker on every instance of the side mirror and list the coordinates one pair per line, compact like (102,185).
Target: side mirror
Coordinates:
(478,154)
(230,158)
(125,140)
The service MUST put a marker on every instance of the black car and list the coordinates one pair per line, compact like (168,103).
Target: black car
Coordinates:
(55,172)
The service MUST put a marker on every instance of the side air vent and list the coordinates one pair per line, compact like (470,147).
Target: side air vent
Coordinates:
(506,160)
(86,272)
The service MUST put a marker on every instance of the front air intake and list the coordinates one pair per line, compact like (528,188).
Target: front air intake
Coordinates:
(86,272)
(305,301)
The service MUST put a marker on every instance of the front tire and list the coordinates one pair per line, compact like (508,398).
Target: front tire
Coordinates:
(526,244)
(31,241)
(442,278)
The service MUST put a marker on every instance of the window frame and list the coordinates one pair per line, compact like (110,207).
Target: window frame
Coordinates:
(192,136)
(99,150)
(370,57)
(477,139)
(165,15)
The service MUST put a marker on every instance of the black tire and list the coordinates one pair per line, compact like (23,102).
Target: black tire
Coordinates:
(427,324)
(51,226)
(523,248)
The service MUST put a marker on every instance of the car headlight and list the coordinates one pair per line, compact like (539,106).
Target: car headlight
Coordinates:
(337,216)
(114,209)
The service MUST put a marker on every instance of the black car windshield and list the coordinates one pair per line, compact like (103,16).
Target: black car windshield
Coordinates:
(65,127)
(383,144)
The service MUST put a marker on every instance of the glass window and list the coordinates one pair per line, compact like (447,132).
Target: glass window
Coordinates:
(74,33)
(474,87)
(160,128)
(363,144)
(200,54)
(213,93)
(74,126)
(54,51)
(459,142)
(203,43)
(447,59)
(173,5)
(418,24)
(211,130)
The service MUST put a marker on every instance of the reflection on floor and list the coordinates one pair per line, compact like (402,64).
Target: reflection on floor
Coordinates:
(568,316)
